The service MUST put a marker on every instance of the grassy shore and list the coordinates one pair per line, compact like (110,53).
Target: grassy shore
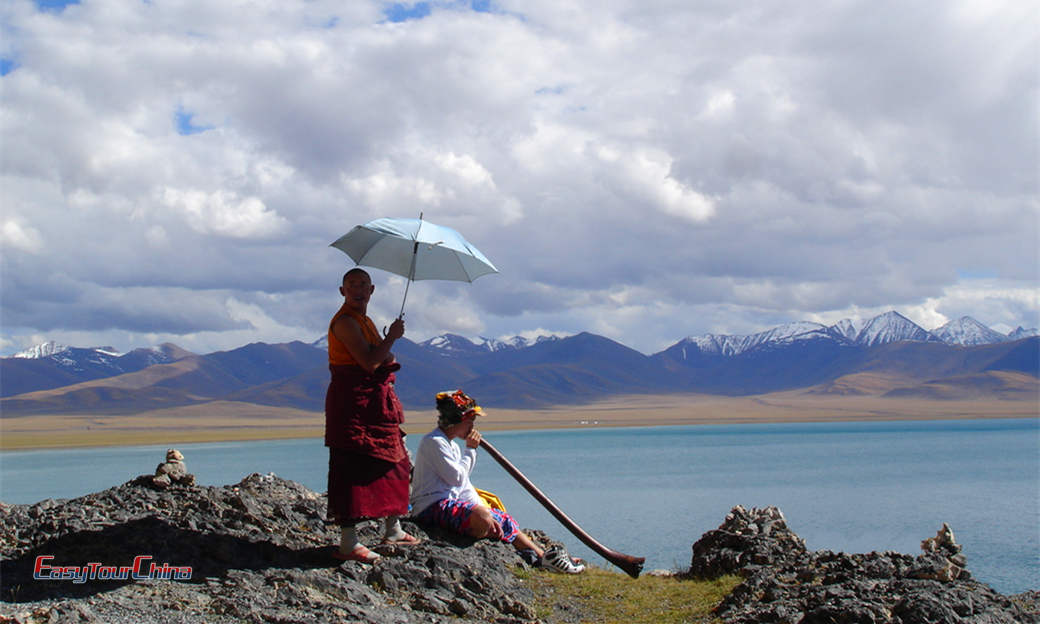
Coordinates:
(608,597)
(229,421)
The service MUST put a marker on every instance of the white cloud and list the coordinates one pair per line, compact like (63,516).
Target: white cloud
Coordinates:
(647,169)
(224,213)
(21,237)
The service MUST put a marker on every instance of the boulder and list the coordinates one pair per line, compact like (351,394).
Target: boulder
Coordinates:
(786,583)
(258,551)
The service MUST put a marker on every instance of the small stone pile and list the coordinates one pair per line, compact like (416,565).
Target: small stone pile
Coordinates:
(785,583)
(172,471)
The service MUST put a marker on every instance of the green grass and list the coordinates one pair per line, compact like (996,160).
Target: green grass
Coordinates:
(609,597)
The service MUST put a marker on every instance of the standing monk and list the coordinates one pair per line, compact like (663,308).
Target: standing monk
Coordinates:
(369,469)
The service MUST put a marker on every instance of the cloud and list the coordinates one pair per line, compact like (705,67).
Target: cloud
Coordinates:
(21,237)
(224,213)
(648,170)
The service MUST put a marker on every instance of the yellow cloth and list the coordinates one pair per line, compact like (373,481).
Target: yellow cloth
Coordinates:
(490,499)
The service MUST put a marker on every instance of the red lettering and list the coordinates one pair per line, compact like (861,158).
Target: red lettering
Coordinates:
(138,562)
(39,566)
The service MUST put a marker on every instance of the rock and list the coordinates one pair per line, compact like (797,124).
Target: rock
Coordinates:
(172,471)
(744,541)
(784,582)
(258,551)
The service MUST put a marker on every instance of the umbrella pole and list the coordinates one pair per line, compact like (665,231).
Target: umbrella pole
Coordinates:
(401,314)
(411,270)
(411,276)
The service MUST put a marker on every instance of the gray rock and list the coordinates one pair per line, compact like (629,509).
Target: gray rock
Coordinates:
(259,551)
(784,582)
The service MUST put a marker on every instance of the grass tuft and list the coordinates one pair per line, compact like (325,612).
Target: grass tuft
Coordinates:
(610,597)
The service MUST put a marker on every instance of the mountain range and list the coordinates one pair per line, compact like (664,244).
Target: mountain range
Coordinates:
(886,355)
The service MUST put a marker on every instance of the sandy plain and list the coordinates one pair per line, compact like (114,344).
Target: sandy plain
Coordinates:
(228,421)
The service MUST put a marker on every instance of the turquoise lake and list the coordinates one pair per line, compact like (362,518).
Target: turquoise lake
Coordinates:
(652,492)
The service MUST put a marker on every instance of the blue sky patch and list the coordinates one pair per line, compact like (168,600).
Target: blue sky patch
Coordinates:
(399,12)
(404,11)
(182,119)
(7,66)
(55,6)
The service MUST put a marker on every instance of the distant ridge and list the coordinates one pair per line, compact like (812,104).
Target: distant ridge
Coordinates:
(888,354)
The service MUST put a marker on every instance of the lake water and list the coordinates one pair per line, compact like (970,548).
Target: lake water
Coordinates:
(652,492)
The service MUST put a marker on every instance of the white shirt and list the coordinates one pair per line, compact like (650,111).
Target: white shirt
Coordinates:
(442,471)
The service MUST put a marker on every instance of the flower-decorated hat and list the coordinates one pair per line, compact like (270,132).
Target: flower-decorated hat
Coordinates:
(455,406)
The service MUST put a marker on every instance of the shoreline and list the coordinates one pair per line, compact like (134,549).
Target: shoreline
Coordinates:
(238,422)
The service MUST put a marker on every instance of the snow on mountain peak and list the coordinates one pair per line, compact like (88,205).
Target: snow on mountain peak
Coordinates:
(882,329)
(735,345)
(892,327)
(846,328)
(1020,332)
(454,343)
(46,349)
(967,331)
(496,344)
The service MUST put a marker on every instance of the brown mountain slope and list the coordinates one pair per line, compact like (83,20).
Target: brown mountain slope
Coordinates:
(185,381)
(1005,385)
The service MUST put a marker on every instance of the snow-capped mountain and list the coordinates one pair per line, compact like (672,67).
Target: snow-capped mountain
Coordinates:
(46,349)
(50,365)
(892,327)
(784,334)
(846,328)
(882,329)
(967,331)
(517,342)
(456,344)
(76,358)
(1020,332)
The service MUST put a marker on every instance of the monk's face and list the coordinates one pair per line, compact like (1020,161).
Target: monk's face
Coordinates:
(357,289)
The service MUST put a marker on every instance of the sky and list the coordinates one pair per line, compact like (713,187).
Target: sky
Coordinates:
(646,170)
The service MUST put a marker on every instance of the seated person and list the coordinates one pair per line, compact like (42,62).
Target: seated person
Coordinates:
(443,496)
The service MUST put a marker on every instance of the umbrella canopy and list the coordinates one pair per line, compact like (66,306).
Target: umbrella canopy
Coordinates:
(415,249)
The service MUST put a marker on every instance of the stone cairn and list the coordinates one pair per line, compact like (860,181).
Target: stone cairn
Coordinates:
(172,471)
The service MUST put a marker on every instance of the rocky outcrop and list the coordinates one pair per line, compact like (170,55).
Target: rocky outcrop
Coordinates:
(258,551)
(786,583)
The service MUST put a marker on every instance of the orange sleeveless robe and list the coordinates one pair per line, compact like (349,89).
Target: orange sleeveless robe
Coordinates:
(369,467)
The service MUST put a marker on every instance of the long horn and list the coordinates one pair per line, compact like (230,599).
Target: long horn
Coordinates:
(631,565)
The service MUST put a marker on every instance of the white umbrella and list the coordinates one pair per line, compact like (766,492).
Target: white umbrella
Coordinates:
(415,249)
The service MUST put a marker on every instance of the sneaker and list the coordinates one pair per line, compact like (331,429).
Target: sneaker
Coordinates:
(557,560)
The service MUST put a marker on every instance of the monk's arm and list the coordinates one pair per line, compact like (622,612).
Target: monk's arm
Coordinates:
(368,356)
